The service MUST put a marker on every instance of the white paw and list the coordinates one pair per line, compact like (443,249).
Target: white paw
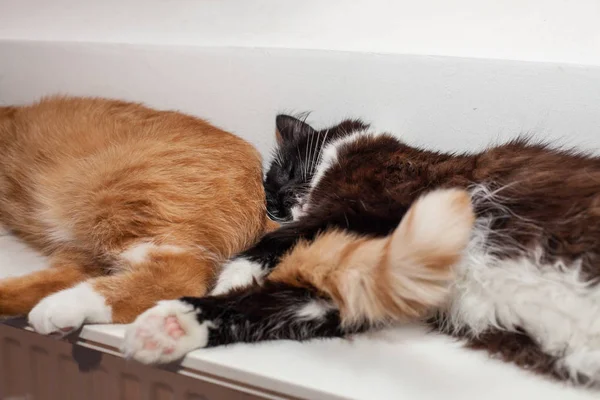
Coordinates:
(67,310)
(583,365)
(238,273)
(165,333)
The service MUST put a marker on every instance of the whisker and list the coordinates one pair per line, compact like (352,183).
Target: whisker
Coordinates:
(308,155)
(276,156)
(301,163)
(274,218)
(321,149)
(317,151)
(312,150)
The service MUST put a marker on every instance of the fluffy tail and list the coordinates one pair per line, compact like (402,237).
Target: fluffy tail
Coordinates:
(403,276)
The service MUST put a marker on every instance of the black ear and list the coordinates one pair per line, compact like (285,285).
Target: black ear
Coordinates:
(291,128)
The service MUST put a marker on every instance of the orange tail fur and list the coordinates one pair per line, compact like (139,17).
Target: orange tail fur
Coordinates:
(403,276)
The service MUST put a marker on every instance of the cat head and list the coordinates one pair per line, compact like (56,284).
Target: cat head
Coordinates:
(295,160)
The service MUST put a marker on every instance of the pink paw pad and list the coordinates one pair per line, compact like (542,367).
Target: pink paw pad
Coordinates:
(173,328)
(142,333)
(150,345)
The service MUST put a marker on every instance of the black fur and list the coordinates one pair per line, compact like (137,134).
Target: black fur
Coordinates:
(269,250)
(295,160)
(269,312)
(549,201)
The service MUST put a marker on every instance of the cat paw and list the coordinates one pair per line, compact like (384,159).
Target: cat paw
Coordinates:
(165,333)
(65,311)
(238,273)
(582,366)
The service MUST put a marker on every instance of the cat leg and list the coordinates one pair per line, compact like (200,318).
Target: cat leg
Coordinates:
(255,263)
(275,311)
(337,285)
(166,272)
(19,295)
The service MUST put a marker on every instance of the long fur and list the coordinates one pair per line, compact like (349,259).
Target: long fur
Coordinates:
(526,286)
(401,277)
(337,284)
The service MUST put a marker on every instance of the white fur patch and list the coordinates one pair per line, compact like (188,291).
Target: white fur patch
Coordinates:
(583,362)
(56,228)
(140,252)
(330,154)
(60,234)
(328,157)
(238,273)
(313,310)
(297,212)
(551,301)
(147,340)
(69,309)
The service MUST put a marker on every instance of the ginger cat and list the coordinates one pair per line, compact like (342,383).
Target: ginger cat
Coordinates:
(131,205)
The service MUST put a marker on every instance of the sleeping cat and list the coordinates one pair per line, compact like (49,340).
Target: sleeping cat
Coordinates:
(399,272)
(131,205)
(522,283)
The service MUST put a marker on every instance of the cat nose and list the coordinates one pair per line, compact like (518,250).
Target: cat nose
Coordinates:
(284,197)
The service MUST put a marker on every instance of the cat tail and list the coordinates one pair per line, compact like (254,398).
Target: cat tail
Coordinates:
(403,276)
(414,273)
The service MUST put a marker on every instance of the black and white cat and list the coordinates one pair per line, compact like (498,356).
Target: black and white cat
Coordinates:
(522,282)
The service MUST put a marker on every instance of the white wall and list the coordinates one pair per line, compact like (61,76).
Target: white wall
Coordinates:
(227,61)
(449,103)
(223,60)
(530,30)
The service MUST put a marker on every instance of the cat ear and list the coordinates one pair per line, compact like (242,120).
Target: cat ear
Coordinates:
(291,128)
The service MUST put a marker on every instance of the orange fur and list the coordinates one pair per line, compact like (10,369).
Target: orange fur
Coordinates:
(163,276)
(96,184)
(271,226)
(402,276)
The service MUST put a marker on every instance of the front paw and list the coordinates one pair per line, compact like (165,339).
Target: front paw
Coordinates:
(165,333)
(67,310)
